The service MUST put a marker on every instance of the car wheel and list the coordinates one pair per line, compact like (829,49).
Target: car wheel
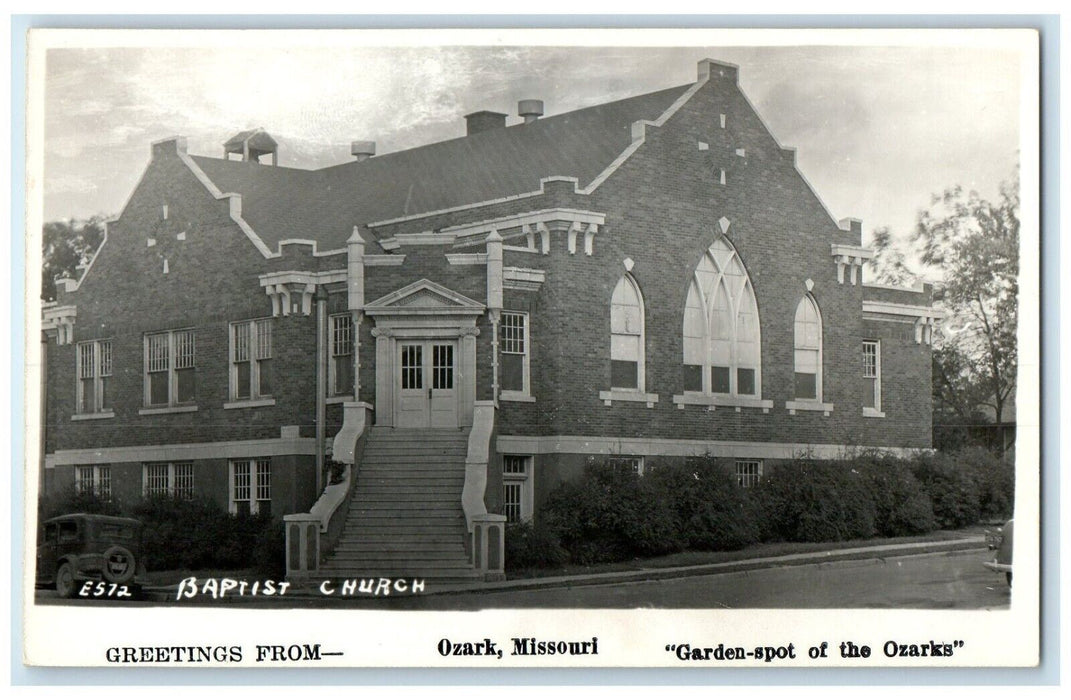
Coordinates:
(1007,575)
(65,583)
(119,564)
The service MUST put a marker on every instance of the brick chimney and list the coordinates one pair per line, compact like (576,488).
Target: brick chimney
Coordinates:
(484,121)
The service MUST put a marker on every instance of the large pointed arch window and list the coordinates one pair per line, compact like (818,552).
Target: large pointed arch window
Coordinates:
(721,327)
(626,336)
(808,350)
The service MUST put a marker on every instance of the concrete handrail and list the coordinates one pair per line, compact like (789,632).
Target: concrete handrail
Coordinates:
(483,425)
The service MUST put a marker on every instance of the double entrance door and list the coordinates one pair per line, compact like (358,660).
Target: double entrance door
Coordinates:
(427,384)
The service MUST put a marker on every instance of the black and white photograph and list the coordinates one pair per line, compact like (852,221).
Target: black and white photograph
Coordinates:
(677,348)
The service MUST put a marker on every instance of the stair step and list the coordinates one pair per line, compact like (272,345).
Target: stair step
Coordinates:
(387,501)
(398,567)
(386,528)
(364,546)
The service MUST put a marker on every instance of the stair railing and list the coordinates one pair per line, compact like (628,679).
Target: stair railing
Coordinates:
(487,541)
(309,535)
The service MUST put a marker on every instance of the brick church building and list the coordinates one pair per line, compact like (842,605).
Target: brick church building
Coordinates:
(466,324)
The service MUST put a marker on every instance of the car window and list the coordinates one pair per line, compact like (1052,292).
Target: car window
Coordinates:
(50,533)
(68,532)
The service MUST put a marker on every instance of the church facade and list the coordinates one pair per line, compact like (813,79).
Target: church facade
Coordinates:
(639,281)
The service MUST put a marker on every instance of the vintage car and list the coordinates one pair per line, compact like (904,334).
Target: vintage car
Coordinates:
(80,547)
(1001,541)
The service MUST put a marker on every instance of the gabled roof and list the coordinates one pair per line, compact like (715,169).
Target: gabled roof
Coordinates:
(258,139)
(324,205)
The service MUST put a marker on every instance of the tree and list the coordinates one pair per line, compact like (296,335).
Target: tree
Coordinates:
(68,244)
(968,248)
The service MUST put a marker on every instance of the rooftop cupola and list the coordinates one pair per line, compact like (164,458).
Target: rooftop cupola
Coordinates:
(251,145)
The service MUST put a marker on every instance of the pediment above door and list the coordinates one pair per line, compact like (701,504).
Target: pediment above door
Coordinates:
(423,298)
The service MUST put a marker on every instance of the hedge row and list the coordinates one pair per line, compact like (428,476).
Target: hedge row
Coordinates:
(181,533)
(611,514)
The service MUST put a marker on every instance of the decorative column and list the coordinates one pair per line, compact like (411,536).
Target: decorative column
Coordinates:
(355,288)
(495,283)
(384,376)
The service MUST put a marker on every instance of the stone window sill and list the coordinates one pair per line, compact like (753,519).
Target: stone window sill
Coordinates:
(608,397)
(711,401)
(93,416)
(516,396)
(869,412)
(249,403)
(166,409)
(339,399)
(793,406)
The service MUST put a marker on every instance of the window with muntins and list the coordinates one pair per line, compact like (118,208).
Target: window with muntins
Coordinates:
(630,463)
(167,479)
(341,367)
(170,372)
(626,336)
(94,376)
(517,487)
(721,327)
(94,478)
(748,472)
(872,374)
(250,486)
(808,350)
(514,345)
(251,362)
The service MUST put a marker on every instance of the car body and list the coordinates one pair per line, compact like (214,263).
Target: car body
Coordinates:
(83,547)
(1001,541)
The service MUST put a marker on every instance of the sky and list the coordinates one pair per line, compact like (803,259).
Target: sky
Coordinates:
(878,129)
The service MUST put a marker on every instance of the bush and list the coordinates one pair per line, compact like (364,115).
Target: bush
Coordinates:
(901,506)
(269,552)
(951,488)
(994,478)
(806,500)
(712,511)
(533,545)
(71,500)
(611,514)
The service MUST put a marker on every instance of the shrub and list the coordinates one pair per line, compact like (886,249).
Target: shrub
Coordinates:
(71,500)
(610,514)
(994,478)
(901,506)
(269,551)
(951,488)
(530,545)
(712,511)
(805,500)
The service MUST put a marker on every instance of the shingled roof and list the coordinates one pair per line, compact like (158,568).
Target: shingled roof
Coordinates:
(325,205)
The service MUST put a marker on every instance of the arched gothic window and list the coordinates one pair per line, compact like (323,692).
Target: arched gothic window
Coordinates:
(626,336)
(808,346)
(721,327)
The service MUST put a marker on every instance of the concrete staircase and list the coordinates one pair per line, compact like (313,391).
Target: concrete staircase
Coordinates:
(406,519)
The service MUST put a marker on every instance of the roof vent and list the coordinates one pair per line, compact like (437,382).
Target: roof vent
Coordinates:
(363,150)
(251,145)
(530,110)
(484,121)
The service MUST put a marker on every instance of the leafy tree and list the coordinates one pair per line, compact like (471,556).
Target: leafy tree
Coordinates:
(68,244)
(968,248)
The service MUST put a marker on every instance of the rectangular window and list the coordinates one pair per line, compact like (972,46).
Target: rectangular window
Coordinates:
(872,374)
(251,353)
(692,376)
(170,369)
(517,487)
(629,462)
(168,479)
(250,486)
(719,380)
(94,376)
(748,472)
(514,343)
(94,478)
(341,367)
(745,381)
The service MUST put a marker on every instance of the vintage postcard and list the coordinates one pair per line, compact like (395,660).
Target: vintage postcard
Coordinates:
(528,348)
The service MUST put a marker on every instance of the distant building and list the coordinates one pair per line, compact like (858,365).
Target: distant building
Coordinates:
(642,280)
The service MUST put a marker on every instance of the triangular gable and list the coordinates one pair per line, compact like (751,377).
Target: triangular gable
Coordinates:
(424,296)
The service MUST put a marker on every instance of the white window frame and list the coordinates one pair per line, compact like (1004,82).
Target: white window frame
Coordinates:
(526,385)
(523,479)
(641,370)
(743,477)
(100,479)
(874,411)
(101,369)
(259,489)
(174,471)
(331,371)
(172,369)
(253,358)
(635,462)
